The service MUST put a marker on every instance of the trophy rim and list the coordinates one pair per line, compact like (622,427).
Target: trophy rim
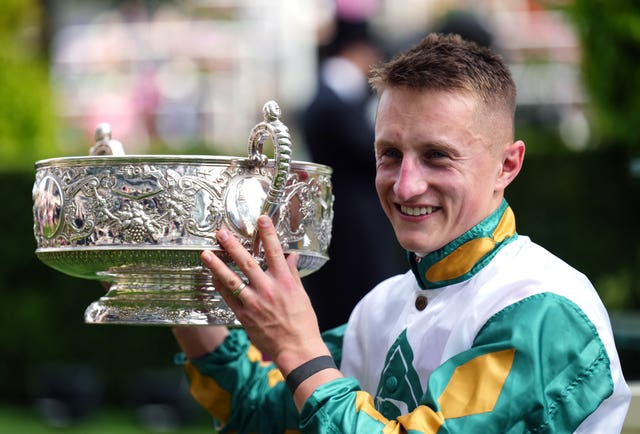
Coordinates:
(212,160)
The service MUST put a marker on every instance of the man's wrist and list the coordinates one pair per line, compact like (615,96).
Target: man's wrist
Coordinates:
(307,369)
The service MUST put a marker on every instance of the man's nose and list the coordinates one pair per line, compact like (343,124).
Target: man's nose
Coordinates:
(411,180)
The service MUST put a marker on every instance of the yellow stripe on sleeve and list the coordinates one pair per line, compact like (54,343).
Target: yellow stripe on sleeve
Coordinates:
(364,402)
(274,376)
(475,386)
(422,419)
(208,393)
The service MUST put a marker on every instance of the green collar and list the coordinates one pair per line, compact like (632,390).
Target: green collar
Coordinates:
(465,256)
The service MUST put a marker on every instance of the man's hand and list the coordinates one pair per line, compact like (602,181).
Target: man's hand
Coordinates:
(273,307)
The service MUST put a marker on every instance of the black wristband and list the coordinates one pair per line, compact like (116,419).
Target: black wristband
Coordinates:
(307,369)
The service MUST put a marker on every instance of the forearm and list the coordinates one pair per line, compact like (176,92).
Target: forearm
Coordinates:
(196,341)
(239,389)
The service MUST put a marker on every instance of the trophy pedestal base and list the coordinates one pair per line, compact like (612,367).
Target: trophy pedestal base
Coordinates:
(161,298)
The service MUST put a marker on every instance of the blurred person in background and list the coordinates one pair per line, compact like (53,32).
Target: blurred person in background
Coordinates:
(466,24)
(338,130)
(487,332)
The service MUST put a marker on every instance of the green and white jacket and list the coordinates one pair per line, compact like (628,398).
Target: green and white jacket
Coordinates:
(490,334)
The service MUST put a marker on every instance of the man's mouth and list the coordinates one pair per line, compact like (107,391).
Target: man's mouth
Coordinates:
(417,211)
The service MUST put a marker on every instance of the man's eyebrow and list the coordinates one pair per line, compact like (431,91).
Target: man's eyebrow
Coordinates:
(384,143)
(438,145)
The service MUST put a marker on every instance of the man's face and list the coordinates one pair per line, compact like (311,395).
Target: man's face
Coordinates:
(438,168)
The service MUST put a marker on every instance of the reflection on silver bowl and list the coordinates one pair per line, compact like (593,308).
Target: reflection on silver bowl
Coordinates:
(140,222)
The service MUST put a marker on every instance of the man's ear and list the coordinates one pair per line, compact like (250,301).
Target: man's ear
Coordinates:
(512,160)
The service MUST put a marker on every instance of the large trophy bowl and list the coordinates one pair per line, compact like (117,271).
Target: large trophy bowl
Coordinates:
(139,222)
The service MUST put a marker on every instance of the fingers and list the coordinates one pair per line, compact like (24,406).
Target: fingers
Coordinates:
(224,277)
(292,263)
(239,254)
(271,245)
(245,261)
(258,279)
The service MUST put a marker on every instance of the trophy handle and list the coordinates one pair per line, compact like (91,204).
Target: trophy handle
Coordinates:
(272,128)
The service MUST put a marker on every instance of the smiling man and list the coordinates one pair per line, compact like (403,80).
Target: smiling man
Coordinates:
(441,166)
(487,332)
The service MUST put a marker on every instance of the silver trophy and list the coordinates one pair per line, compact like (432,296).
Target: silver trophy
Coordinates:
(139,222)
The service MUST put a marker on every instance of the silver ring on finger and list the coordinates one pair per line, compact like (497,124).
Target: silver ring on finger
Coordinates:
(236,292)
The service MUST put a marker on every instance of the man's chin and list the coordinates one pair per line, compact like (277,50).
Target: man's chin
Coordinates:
(417,248)
(420,248)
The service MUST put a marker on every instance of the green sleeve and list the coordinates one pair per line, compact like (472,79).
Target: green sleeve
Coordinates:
(538,366)
(243,392)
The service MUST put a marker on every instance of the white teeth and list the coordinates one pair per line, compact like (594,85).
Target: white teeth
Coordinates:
(416,211)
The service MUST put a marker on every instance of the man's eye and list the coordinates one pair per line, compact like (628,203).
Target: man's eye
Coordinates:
(391,153)
(436,155)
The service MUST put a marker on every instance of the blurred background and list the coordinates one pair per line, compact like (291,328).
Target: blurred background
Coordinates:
(191,76)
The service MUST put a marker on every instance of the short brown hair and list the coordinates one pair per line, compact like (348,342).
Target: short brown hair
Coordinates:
(448,62)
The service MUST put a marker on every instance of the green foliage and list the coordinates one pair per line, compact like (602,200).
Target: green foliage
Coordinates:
(609,32)
(541,140)
(27,124)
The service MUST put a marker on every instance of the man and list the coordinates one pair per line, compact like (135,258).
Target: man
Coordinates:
(487,332)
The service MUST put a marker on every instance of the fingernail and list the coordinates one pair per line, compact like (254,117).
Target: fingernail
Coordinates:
(263,221)
(206,255)
(222,235)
